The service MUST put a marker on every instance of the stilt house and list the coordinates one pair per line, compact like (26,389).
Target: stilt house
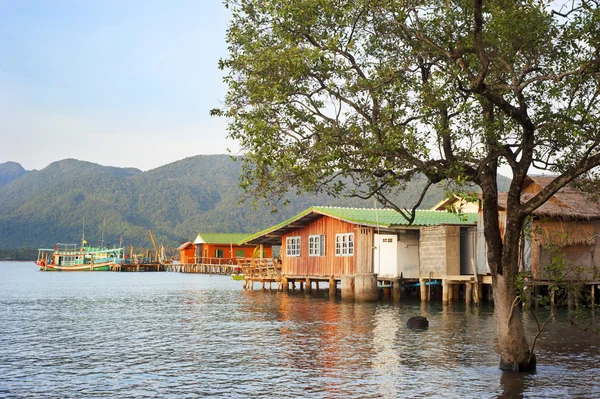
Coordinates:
(567,225)
(324,242)
(225,245)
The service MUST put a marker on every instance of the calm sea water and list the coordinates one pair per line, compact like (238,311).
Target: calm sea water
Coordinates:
(167,335)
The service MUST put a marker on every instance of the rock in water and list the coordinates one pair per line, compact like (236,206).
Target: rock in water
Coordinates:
(418,322)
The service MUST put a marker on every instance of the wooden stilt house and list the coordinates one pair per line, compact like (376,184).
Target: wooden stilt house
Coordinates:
(226,245)
(332,242)
(568,225)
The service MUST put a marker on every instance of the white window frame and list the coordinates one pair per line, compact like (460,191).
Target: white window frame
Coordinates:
(316,245)
(292,246)
(344,244)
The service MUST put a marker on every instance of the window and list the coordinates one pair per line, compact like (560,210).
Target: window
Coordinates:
(219,253)
(239,253)
(344,244)
(316,245)
(292,246)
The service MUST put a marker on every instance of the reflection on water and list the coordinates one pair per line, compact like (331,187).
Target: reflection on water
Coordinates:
(178,335)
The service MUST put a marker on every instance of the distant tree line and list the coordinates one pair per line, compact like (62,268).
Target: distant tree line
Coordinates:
(18,254)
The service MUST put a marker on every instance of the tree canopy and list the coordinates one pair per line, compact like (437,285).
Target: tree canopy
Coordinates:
(322,92)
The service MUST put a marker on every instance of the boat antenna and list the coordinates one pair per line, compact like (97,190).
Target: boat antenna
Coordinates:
(83,241)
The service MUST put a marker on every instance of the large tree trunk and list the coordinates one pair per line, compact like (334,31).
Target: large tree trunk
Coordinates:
(512,343)
(515,354)
(503,258)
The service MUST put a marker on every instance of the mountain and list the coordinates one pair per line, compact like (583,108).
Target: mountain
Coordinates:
(10,171)
(175,202)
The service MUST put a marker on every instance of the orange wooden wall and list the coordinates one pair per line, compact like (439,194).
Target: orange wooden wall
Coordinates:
(209,250)
(327,265)
(187,255)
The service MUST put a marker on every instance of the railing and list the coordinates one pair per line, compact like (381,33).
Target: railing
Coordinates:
(260,268)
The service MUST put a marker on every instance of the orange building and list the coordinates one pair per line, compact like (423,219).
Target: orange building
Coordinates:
(220,245)
(187,253)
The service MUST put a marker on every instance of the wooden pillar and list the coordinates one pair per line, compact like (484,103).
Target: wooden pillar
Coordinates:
(468,293)
(445,292)
(332,287)
(317,286)
(285,285)
(571,298)
(450,292)
(423,289)
(308,284)
(348,287)
(593,295)
(396,289)
(365,287)
(456,293)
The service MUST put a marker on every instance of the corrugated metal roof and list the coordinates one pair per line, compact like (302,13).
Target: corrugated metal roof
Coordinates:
(390,217)
(185,245)
(387,218)
(222,238)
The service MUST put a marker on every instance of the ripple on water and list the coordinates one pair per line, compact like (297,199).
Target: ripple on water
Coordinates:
(157,335)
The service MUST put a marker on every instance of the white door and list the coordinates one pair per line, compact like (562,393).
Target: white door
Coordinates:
(385,255)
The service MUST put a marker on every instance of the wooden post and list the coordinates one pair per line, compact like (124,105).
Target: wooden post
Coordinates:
(450,292)
(477,291)
(445,292)
(456,293)
(570,298)
(423,289)
(593,295)
(285,284)
(429,287)
(468,293)
(317,286)
(332,287)
(308,284)
(396,289)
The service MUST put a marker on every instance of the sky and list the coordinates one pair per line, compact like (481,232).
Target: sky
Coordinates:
(126,83)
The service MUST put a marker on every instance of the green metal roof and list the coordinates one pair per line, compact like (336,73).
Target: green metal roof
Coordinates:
(222,238)
(386,218)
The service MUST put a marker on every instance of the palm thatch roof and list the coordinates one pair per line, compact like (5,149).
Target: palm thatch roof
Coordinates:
(568,203)
(562,234)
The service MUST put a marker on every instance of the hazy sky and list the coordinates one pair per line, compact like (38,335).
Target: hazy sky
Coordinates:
(115,82)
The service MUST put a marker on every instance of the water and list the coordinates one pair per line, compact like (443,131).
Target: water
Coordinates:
(166,335)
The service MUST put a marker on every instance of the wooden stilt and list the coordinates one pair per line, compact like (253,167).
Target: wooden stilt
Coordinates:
(456,293)
(423,289)
(468,293)
(396,289)
(308,284)
(445,292)
(332,287)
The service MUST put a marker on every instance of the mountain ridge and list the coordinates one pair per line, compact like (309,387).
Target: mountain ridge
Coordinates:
(175,201)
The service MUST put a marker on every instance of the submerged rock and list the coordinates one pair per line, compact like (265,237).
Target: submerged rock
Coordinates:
(418,322)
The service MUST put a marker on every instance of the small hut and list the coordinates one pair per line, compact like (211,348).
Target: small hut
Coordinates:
(187,252)
(568,224)
(226,245)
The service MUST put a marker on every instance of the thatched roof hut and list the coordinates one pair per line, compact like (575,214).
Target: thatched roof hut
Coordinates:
(570,220)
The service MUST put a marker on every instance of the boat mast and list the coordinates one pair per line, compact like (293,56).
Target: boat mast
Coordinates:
(103,224)
(83,241)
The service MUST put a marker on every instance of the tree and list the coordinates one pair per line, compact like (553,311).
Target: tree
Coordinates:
(378,92)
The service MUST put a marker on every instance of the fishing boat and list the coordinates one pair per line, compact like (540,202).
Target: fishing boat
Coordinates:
(237,276)
(74,257)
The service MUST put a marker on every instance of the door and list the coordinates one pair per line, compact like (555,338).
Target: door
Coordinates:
(385,255)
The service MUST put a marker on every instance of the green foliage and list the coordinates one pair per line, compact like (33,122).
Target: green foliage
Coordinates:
(22,254)
(175,201)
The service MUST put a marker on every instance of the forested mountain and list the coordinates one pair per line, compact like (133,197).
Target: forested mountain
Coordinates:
(10,171)
(175,201)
